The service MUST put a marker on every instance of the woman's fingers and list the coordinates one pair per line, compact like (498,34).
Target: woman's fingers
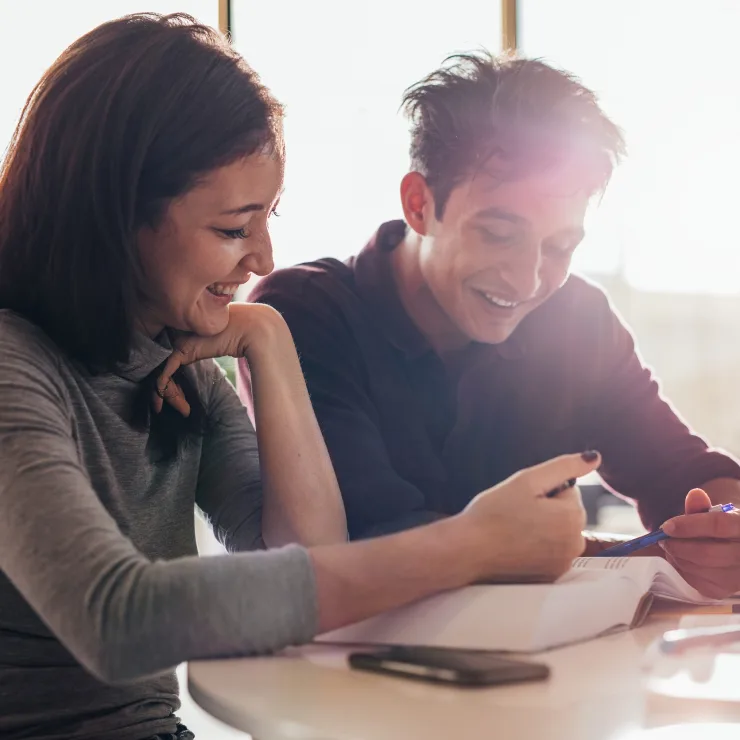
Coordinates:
(548,475)
(176,399)
(182,354)
(172,393)
(167,389)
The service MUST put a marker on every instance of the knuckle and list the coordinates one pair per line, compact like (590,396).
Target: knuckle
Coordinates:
(728,526)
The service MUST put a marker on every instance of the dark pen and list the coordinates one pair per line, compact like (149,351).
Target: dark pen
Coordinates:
(564,487)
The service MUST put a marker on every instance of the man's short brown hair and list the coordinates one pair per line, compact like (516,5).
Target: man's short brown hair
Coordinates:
(479,111)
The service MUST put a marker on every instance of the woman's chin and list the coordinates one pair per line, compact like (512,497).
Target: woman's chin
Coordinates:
(209,325)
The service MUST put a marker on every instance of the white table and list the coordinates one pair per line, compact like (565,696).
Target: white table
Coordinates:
(596,692)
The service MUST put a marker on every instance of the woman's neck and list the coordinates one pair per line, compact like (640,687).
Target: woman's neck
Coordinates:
(148,325)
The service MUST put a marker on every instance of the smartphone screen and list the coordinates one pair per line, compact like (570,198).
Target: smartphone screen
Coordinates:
(461,667)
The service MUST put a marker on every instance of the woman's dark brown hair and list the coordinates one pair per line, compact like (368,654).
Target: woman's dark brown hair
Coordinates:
(126,119)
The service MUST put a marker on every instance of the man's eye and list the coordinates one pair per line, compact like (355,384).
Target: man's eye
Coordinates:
(234,233)
(494,238)
(561,250)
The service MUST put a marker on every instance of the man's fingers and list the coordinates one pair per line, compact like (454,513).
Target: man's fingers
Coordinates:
(709,587)
(716,583)
(697,501)
(709,525)
(553,473)
(704,553)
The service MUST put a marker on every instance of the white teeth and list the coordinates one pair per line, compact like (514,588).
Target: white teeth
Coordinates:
(221,289)
(500,301)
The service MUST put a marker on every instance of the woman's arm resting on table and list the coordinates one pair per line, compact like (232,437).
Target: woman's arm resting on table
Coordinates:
(120,614)
(511,532)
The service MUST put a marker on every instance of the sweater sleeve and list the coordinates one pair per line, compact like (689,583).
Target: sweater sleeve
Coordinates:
(229,490)
(121,615)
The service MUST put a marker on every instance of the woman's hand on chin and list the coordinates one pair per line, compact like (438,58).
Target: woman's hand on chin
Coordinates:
(252,328)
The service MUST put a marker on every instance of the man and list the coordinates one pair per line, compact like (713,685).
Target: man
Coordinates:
(455,349)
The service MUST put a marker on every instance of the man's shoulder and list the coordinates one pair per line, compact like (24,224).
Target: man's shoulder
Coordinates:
(578,318)
(579,292)
(325,271)
(582,303)
(325,284)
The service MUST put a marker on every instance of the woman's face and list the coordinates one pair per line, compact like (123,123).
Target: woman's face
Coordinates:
(207,244)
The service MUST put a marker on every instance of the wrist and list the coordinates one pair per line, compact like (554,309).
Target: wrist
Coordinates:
(469,560)
(264,330)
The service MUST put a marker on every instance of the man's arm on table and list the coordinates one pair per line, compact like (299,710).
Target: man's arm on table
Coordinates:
(650,454)
(377,500)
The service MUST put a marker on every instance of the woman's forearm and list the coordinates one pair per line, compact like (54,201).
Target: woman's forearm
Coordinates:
(358,580)
(302,501)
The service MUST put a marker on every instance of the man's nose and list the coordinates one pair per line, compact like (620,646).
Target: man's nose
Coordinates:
(522,273)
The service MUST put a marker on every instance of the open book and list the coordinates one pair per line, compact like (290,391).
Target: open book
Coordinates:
(596,596)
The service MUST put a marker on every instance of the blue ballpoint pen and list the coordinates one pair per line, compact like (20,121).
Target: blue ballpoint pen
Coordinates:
(627,548)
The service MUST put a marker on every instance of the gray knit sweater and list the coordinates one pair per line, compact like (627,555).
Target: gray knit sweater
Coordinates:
(101,591)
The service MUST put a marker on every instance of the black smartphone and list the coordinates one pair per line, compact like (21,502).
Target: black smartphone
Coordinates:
(446,665)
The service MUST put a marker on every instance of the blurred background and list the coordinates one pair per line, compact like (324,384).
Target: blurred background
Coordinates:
(662,240)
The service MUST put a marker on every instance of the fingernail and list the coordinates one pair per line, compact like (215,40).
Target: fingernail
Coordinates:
(589,455)
(669,527)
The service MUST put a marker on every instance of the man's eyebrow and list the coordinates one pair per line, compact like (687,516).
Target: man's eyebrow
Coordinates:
(494,212)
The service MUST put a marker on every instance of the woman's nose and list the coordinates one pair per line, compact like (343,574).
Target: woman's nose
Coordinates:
(259,260)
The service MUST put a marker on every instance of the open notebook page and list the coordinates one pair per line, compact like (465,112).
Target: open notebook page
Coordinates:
(654,574)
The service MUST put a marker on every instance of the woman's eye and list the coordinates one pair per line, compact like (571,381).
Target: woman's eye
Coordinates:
(234,233)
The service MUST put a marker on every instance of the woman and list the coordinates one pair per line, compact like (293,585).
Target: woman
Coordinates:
(134,200)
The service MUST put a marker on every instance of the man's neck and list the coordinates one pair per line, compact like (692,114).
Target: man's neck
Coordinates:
(418,300)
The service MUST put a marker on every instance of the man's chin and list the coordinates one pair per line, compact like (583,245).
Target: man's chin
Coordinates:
(489,335)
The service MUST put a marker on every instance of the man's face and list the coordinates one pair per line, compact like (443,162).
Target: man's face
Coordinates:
(501,249)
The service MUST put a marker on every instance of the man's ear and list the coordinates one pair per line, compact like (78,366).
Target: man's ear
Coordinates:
(417,202)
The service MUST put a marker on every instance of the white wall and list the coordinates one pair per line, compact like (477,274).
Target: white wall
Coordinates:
(693,344)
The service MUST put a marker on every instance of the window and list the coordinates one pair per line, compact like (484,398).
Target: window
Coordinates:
(32,37)
(341,69)
(667,73)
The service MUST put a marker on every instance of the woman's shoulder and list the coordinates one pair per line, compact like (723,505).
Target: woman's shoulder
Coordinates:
(31,364)
(22,340)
